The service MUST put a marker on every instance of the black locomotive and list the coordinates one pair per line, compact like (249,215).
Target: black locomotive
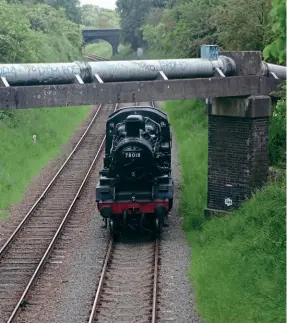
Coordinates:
(136,187)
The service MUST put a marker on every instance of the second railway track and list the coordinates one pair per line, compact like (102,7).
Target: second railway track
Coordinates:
(93,57)
(24,254)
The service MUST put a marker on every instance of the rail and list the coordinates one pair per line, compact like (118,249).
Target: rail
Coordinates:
(93,57)
(57,234)
(51,183)
(108,259)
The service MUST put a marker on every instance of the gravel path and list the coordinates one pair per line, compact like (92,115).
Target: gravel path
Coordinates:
(65,292)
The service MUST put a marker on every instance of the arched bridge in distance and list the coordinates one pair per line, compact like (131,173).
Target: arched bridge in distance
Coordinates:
(112,36)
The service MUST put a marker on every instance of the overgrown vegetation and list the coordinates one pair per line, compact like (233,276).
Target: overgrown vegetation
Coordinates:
(21,158)
(100,48)
(189,121)
(239,262)
(179,27)
(37,33)
(277,149)
(238,267)
(96,17)
(104,49)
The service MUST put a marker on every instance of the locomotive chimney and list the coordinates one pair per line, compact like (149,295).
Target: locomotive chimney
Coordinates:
(134,123)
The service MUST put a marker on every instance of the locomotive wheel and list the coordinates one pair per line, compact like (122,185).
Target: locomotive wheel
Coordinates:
(112,226)
(125,219)
(157,224)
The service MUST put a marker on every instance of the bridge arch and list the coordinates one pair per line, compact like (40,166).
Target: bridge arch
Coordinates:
(112,36)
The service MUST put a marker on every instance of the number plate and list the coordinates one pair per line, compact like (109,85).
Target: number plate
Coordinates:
(132,155)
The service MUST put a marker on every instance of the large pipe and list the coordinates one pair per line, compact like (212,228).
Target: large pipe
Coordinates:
(40,74)
(64,73)
(116,71)
(278,70)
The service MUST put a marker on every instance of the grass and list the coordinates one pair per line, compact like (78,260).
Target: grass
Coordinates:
(189,121)
(21,159)
(104,49)
(238,262)
(100,48)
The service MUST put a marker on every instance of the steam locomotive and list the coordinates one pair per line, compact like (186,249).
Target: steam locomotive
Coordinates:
(136,187)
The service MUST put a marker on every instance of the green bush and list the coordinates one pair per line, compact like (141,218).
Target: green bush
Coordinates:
(37,33)
(278,133)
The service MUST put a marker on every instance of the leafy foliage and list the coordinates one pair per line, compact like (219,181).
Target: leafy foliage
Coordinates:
(37,33)
(71,7)
(278,132)
(242,24)
(277,49)
(232,24)
(132,15)
(96,17)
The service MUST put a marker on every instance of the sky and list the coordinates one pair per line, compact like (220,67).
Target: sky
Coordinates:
(109,4)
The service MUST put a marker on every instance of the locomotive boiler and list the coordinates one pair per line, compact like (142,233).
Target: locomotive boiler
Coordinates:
(136,187)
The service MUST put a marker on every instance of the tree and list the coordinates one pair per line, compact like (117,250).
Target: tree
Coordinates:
(37,33)
(242,24)
(72,8)
(96,17)
(183,29)
(132,14)
(276,50)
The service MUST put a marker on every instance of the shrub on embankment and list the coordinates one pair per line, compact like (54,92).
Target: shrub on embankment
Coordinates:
(238,262)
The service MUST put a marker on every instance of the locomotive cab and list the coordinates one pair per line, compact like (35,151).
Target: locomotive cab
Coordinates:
(135,186)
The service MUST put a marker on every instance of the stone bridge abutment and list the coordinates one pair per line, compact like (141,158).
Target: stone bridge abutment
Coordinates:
(238,142)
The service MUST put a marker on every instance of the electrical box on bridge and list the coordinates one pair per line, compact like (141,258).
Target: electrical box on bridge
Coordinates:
(209,52)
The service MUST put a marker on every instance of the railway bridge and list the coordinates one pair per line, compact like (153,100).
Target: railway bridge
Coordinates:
(112,36)
(237,86)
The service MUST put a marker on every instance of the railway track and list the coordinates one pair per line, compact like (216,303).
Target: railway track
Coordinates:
(25,253)
(92,57)
(128,286)
(127,290)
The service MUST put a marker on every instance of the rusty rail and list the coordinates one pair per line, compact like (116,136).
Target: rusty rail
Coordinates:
(155,282)
(93,57)
(96,302)
(101,282)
